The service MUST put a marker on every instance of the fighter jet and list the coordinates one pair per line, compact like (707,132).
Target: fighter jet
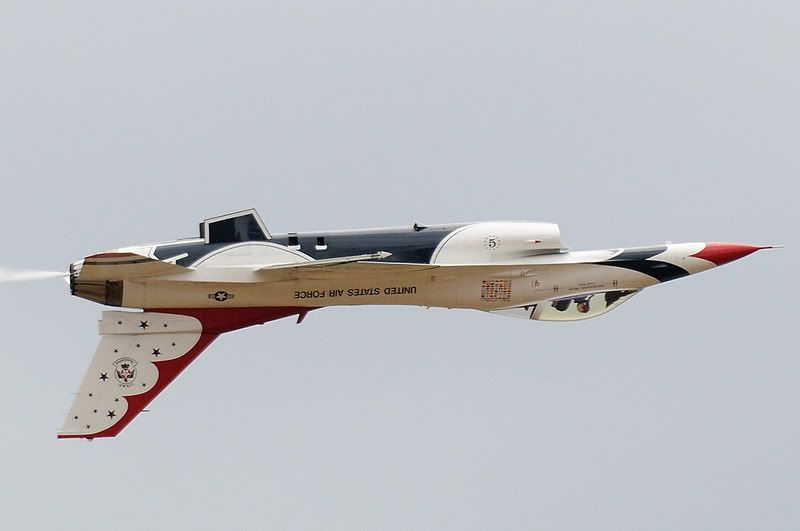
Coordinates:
(237,274)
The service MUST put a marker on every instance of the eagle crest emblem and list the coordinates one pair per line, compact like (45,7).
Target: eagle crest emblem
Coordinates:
(125,371)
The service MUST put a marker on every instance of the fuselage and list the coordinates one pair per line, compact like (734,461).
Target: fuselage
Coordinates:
(493,266)
(237,275)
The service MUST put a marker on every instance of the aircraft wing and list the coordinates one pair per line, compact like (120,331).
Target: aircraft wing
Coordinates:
(337,268)
(119,266)
(380,255)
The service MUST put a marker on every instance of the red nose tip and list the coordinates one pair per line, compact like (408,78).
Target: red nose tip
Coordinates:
(722,253)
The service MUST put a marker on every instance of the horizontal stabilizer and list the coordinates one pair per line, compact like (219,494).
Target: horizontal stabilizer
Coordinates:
(122,266)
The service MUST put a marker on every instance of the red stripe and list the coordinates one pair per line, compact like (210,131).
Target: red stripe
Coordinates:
(221,320)
(722,253)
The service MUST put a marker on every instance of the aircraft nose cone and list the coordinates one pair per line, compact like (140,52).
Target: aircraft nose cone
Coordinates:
(722,253)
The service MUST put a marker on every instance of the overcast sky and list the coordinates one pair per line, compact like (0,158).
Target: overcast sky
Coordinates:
(628,123)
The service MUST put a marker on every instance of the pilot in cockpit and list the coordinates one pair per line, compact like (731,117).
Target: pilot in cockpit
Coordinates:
(582,303)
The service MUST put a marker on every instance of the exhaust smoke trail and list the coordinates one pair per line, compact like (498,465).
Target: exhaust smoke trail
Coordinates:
(25,275)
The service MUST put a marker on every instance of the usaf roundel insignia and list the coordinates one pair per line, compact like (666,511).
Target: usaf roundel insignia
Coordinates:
(125,371)
(221,296)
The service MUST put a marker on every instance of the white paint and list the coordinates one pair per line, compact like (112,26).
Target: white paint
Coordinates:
(252,254)
(497,242)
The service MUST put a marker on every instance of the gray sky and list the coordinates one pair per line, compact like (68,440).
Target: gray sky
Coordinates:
(629,123)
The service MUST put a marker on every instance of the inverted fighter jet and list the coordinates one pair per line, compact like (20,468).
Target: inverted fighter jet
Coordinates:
(236,274)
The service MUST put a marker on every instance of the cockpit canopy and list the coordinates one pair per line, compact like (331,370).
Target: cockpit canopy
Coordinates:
(572,307)
(242,226)
(576,308)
